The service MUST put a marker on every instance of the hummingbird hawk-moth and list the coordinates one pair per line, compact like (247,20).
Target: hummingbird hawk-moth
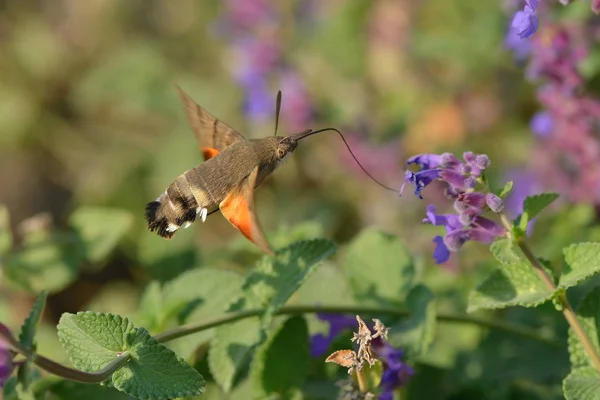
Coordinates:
(225,181)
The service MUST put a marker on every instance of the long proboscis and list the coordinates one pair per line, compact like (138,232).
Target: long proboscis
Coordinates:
(302,135)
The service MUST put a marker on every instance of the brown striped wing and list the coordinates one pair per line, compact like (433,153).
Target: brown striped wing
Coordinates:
(212,134)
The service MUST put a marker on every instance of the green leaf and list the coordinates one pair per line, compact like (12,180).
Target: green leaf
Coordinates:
(5,233)
(93,340)
(505,191)
(155,372)
(416,333)
(27,338)
(379,268)
(509,285)
(582,384)
(269,285)
(196,295)
(276,278)
(27,335)
(282,363)
(588,314)
(100,229)
(45,262)
(231,348)
(533,205)
(504,251)
(582,261)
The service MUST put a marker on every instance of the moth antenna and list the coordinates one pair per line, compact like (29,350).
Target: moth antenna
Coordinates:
(277,110)
(308,133)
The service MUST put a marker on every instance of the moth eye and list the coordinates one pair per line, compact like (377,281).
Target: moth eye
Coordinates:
(280,153)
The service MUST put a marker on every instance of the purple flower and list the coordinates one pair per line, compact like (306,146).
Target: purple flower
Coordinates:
(542,124)
(449,221)
(525,22)
(441,253)
(426,161)
(396,372)
(319,343)
(461,178)
(7,364)
(521,48)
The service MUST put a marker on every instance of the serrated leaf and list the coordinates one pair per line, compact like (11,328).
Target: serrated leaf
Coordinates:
(93,340)
(28,329)
(416,333)
(509,285)
(100,229)
(582,384)
(505,191)
(533,205)
(154,371)
(582,260)
(5,232)
(276,278)
(379,268)
(504,251)
(282,363)
(230,349)
(588,314)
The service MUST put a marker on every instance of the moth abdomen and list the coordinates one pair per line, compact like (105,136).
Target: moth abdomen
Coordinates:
(157,220)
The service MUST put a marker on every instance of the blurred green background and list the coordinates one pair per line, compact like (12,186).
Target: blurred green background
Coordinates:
(91,129)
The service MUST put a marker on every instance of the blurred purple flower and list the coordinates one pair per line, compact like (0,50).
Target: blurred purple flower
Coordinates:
(252,29)
(520,47)
(525,23)
(319,343)
(542,124)
(396,372)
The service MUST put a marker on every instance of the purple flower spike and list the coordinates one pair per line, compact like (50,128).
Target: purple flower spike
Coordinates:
(441,254)
(494,202)
(426,161)
(525,23)
(542,124)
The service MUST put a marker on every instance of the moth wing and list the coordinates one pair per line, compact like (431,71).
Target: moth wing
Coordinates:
(238,209)
(212,135)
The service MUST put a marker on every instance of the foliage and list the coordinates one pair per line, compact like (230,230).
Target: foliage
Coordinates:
(92,305)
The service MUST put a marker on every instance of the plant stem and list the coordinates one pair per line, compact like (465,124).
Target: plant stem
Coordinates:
(361,379)
(188,329)
(103,374)
(567,310)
